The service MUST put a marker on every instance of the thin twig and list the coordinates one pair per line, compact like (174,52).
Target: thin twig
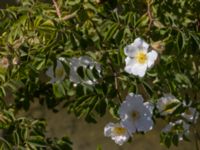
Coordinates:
(117,88)
(195,132)
(149,13)
(57,8)
(116,83)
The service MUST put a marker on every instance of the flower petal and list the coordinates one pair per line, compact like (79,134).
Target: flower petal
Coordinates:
(50,72)
(152,56)
(108,129)
(144,124)
(59,71)
(129,124)
(149,106)
(132,105)
(138,44)
(86,60)
(141,44)
(129,63)
(132,67)
(139,69)
(130,50)
(118,137)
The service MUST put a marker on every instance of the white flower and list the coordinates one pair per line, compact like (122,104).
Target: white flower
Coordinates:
(167,104)
(84,62)
(178,127)
(135,116)
(190,114)
(117,133)
(138,58)
(58,74)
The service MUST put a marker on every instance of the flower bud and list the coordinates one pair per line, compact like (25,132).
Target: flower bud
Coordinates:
(158,46)
(15,61)
(4,62)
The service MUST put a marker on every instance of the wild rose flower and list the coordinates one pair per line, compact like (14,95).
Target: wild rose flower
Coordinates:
(83,61)
(178,127)
(58,74)
(190,114)
(167,105)
(117,133)
(135,115)
(138,58)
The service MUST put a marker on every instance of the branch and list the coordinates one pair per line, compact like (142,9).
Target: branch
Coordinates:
(149,13)
(57,8)
(116,82)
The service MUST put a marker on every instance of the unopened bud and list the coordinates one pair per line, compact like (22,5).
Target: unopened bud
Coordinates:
(4,62)
(158,46)
(15,61)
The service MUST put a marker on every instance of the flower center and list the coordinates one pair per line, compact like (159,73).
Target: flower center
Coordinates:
(135,115)
(59,72)
(119,130)
(170,106)
(141,57)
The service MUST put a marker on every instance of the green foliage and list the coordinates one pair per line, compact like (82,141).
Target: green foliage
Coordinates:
(22,133)
(35,36)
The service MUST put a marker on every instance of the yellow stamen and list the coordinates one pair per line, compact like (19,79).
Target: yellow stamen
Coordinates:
(135,115)
(119,130)
(141,57)
(59,72)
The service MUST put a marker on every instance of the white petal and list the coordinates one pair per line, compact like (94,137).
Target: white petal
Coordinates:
(138,44)
(89,82)
(59,64)
(129,124)
(168,127)
(152,56)
(144,124)
(192,116)
(53,80)
(134,103)
(141,44)
(132,67)
(129,63)
(74,63)
(108,129)
(149,106)
(50,72)
(138,98)
(120,139)
(85,60)
(62,59)
(59,67)
(74,77)
(130,50)
(139,70)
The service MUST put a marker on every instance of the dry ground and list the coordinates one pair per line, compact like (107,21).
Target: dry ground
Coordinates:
(87,136)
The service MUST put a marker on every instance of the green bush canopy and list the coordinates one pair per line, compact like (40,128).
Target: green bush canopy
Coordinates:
(138,60)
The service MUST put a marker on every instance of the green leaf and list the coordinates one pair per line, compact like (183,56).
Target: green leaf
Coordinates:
(81,72)
(175,139)
(58,90)
(111,31)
